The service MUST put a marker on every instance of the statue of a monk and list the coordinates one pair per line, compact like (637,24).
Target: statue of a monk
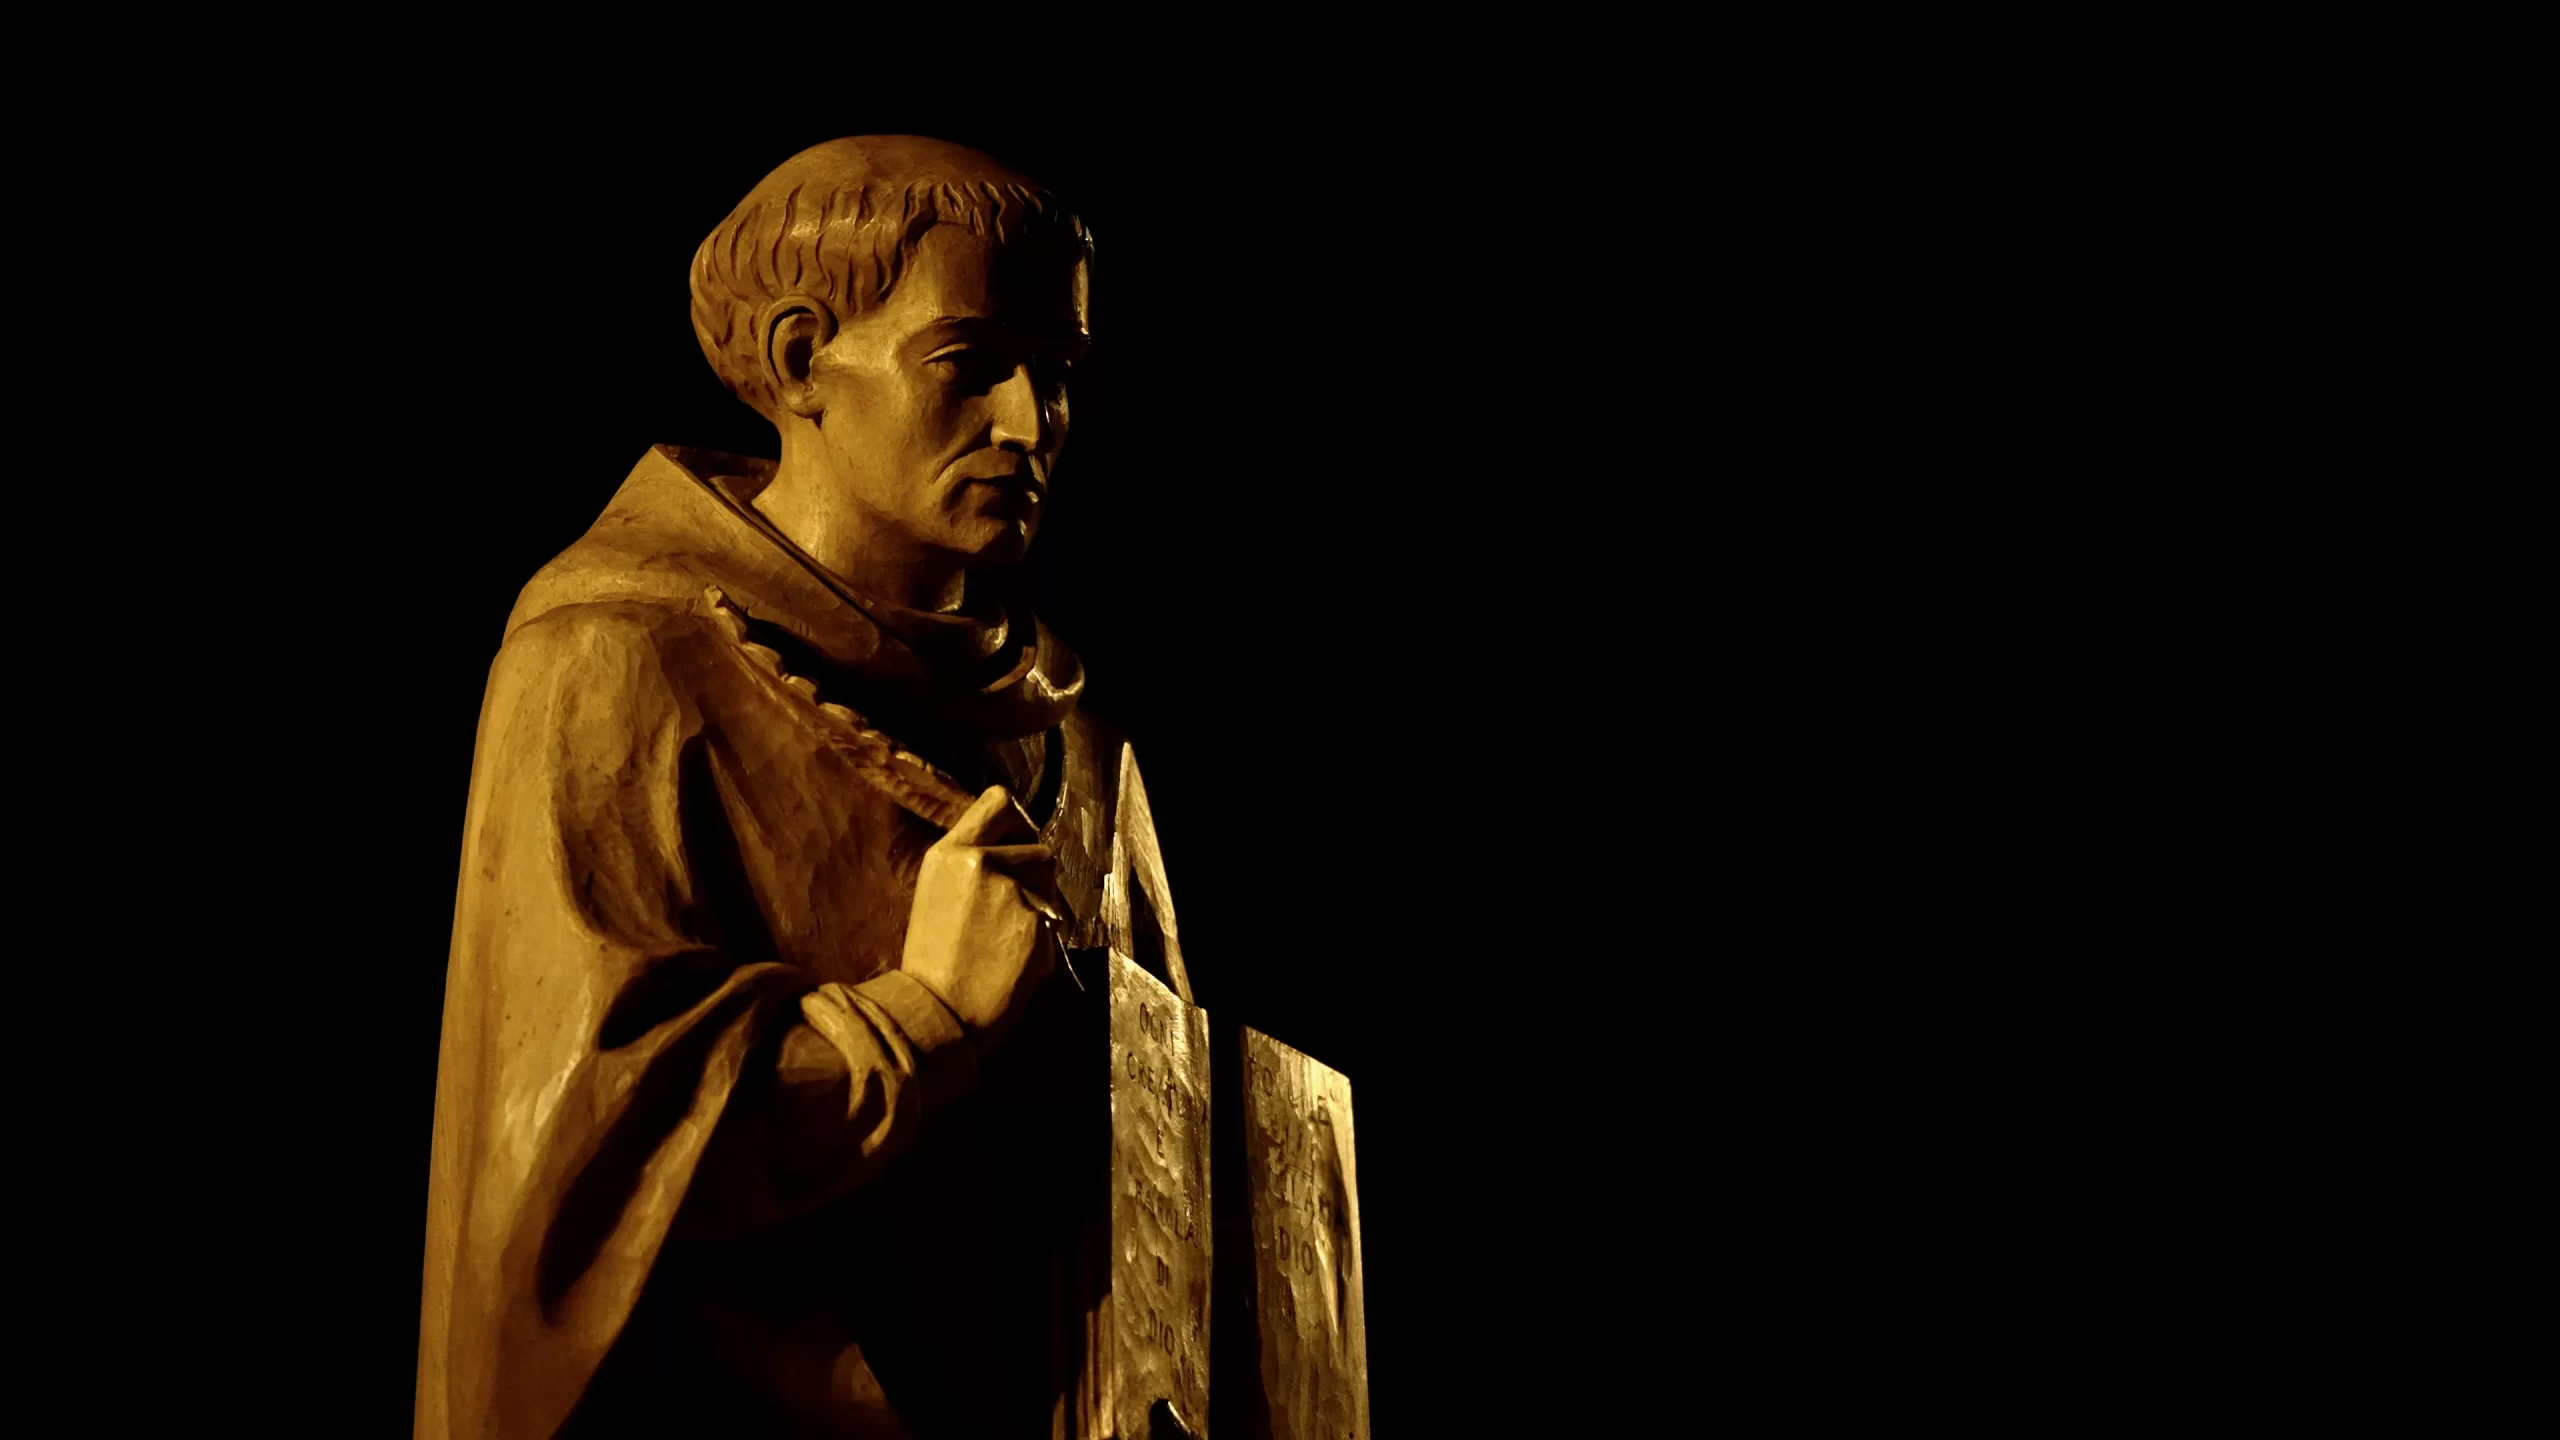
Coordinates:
(758,1102)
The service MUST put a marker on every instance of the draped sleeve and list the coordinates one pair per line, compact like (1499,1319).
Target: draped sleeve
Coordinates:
(609,1065)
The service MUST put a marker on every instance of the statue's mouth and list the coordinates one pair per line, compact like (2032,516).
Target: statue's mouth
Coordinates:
(1013,475)
(1023,492)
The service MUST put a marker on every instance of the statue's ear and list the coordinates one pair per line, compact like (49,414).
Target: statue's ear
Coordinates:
(795,329)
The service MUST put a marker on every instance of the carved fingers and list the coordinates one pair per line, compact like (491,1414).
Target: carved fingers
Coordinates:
(974,933)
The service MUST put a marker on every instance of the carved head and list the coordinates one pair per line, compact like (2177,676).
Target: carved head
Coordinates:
(908,311)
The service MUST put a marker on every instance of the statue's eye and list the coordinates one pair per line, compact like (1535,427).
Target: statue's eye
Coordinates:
(972,365)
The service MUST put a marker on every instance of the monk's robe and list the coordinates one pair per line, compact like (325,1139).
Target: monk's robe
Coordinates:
(705,1162)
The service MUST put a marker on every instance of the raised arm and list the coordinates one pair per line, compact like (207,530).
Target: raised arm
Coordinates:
(603,1024)
(854,1079)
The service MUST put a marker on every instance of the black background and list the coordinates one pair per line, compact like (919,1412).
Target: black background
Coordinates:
(1689,613)
(1361,534)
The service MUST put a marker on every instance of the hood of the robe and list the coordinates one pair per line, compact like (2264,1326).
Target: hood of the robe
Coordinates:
(684,520)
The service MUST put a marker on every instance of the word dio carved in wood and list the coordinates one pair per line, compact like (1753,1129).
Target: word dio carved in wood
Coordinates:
(1295,1365)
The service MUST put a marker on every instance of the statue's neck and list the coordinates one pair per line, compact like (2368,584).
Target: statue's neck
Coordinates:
(856,543)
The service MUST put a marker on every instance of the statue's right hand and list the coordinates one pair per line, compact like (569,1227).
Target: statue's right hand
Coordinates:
(971,938)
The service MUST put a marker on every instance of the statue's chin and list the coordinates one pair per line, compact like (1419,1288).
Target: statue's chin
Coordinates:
(1001,542)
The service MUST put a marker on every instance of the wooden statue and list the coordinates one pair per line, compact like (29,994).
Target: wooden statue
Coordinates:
(819,1057)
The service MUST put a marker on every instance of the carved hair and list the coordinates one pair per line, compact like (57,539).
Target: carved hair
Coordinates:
(838,222)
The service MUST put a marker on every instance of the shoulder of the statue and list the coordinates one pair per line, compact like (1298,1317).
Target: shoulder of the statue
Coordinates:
(649,548)
(636,660)
(608,571)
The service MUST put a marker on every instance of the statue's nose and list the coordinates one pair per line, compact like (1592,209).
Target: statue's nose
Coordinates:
(1021,421)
